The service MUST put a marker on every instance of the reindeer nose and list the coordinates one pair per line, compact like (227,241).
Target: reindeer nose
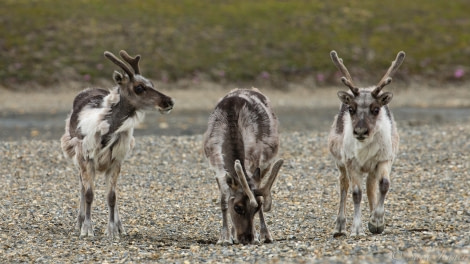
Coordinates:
(171,103)
(168,104)
(361,132)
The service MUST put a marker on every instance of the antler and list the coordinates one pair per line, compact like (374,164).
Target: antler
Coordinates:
(133,61)
(246,188)
(265,189)
(119,63)
(387,79)
(274,171)
(346,79)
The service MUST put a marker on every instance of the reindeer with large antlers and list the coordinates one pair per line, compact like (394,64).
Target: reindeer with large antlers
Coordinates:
(99,134)
(364,139)
(241,143)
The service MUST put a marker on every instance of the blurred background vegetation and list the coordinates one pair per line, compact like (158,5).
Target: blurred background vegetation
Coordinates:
(47,42)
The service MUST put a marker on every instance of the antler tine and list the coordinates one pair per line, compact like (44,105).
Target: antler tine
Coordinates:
(274,172)
(119,63)
(387,79)
(265,188)
(133,61)
(244,183)
(346,79)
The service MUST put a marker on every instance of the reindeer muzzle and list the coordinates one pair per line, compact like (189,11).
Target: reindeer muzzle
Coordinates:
(167,108)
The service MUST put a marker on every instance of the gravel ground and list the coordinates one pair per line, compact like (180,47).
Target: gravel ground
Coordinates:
(168,201)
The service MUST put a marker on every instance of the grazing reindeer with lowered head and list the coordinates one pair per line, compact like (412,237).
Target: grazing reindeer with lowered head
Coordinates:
(241,143)
(364,139)
(99,134)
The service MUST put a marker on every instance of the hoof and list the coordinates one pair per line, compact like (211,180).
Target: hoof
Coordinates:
(357,235)
(88,233)
(224,242)
(357,231)
(268,240)
(340,227)
(112,234)
(86,230)
(266,237)
(339,234)
(114,230)
(376,229)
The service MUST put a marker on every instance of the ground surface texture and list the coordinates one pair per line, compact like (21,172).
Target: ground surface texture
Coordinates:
(168,200)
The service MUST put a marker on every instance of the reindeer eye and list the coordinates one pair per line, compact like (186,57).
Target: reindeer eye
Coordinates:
(239,210)
(139,89)
(375,111)
(352,111)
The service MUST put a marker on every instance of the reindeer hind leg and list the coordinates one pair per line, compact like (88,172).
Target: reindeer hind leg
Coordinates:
(87,175)
(81,210)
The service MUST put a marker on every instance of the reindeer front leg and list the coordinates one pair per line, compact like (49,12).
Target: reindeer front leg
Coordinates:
(114,223)
(355,177)
(87,176)
(382,175)
(225,236)
(340,223)
(372,190)
(264,232)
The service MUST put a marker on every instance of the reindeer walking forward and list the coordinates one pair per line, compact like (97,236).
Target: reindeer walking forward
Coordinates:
(364,139)
(99,134)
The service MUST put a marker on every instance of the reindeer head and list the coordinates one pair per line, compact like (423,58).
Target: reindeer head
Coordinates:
(137,89)
(248,195)
(365,105)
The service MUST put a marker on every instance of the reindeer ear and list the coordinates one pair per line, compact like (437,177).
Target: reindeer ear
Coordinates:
(385,98)
(231,182)
(257,175)
(345,97)
(120,78)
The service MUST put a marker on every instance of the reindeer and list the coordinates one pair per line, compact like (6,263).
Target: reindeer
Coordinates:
(240,144)
(364,139)
(99,134)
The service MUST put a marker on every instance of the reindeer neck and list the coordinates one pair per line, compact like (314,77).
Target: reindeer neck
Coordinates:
(119,113)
